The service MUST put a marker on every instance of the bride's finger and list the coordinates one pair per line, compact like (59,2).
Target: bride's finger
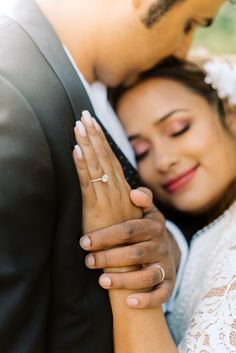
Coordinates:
(100,148)
(87,189)
(104,152)
(94,167)
(99,178)
(115,162)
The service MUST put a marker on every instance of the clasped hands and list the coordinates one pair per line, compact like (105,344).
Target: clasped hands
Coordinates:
(124,233)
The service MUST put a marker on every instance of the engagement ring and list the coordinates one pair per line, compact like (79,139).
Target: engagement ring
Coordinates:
(104,178)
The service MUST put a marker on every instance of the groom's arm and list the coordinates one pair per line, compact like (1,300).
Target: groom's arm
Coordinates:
(26,225)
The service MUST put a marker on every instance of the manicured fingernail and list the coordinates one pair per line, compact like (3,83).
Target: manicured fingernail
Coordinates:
(86,113)
(81,129)
(90,260)
(97,126)
(105,282)
(85,242)
(78,152)
(132,302)
(87,118)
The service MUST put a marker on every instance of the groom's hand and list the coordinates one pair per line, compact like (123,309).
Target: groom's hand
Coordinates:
(137,242)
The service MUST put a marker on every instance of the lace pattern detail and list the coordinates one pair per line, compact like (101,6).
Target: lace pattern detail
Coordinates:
(204,317)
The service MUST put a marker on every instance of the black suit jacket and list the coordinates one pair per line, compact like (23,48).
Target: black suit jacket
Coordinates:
(49,301)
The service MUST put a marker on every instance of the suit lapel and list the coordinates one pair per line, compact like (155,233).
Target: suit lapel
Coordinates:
(30,18)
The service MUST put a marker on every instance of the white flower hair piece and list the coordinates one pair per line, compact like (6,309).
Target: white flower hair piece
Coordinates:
(221,75)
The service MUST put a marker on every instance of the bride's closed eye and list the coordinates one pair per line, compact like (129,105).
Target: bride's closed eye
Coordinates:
(181,131)
(177,128)
(141,148)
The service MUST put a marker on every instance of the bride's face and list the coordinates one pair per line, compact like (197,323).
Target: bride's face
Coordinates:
(184,153)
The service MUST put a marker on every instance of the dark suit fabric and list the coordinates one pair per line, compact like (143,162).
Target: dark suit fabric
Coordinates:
(49,301)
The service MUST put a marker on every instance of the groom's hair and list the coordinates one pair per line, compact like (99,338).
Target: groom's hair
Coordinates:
(157,10)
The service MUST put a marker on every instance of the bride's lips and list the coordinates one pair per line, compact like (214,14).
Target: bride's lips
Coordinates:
(181,180)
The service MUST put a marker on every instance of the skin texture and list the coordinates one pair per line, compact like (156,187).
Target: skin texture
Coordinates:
(125,46)
(124,49)
(116,229)
(190,138)
(127,322)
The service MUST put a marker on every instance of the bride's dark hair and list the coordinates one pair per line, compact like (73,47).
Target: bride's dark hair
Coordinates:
(186,73)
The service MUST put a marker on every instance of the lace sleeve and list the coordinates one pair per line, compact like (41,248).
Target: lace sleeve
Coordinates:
(213,325)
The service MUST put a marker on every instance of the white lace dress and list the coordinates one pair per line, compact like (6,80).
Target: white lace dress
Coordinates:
(204,315)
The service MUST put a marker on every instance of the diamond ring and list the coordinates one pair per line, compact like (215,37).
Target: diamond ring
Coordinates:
(104,178)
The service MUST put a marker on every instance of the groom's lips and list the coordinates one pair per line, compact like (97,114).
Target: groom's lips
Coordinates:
(180,180)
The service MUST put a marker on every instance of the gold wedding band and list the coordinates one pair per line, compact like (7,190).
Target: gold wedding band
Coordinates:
(161,269)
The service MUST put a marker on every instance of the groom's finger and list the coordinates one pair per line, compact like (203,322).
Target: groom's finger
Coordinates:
(131,255)
(145,278)
(130,232)
(152,299)
(142,197)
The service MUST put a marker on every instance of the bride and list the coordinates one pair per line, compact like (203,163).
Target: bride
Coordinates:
(184,138)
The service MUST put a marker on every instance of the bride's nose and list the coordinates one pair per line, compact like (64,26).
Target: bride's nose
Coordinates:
(165,159)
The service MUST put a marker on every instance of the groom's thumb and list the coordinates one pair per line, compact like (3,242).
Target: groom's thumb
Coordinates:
(142,197)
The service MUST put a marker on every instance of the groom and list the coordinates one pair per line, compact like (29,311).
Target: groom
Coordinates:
(50,53)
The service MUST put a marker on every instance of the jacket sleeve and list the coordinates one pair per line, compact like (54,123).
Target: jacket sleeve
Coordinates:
(27,213)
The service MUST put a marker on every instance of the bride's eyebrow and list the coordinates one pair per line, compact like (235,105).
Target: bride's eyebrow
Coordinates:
(159,121)
(168,115)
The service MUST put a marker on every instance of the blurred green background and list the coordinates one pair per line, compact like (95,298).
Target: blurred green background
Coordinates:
(221,36)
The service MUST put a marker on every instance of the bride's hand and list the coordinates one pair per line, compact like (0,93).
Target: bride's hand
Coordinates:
(130,242)
(104,203)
